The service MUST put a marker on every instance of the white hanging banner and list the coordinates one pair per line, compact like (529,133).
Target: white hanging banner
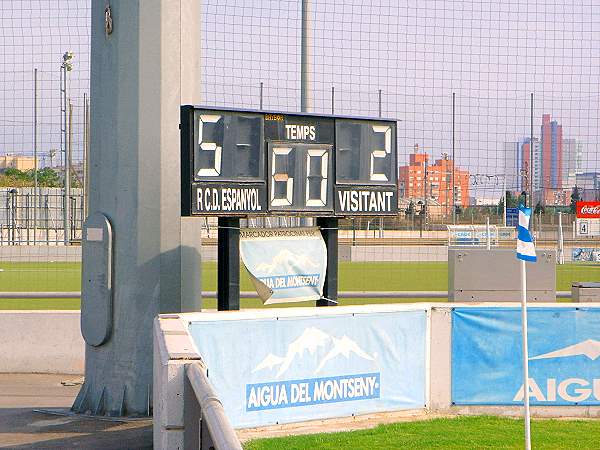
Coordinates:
(285,264)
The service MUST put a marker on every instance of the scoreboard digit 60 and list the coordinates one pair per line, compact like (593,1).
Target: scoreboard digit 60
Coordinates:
(245,163)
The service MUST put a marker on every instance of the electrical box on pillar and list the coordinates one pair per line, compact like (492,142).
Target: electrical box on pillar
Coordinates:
(97,279)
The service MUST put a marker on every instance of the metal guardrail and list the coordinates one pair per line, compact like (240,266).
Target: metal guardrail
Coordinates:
(250,294)
(70,294)
(205,422)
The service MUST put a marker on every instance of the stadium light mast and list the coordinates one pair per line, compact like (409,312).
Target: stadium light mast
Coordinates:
(65,68)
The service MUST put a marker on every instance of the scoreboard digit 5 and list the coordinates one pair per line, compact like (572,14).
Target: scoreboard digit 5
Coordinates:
(240,163)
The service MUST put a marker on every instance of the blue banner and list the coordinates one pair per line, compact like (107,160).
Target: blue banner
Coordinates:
(269,371)
(285,264)
(487,361)
(585,254)
(512,217)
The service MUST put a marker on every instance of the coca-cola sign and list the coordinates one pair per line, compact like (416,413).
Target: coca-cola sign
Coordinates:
(588,209)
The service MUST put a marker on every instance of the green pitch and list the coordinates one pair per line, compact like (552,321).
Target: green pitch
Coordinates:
(370,276)
(456,433)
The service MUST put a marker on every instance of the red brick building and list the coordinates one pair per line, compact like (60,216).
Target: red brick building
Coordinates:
(414,184)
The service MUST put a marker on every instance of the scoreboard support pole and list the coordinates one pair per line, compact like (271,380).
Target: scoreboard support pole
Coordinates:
(228,264)
(329,231)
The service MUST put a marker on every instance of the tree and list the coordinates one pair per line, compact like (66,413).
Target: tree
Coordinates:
(14,178)
(539,208)
(511,200)
(15,173)
(410,211)
(48,177)
(575,197)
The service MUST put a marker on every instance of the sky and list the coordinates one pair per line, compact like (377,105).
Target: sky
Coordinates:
(491,54)
(34,35)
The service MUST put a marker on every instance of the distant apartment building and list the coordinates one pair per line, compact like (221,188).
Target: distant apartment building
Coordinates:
(12,161)
(556,197)
(519,174)
(588,184)
(422,180)
(572,162)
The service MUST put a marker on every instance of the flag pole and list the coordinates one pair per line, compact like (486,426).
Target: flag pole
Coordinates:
(525,355)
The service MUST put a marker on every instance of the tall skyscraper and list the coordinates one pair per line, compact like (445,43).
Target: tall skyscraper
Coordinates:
(552,153)
(556,162)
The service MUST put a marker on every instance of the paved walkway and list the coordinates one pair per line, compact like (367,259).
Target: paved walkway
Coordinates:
(22,428)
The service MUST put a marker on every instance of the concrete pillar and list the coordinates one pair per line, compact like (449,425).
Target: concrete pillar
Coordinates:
(140,75)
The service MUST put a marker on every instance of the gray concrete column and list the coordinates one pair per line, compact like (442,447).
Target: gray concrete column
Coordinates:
(140,75)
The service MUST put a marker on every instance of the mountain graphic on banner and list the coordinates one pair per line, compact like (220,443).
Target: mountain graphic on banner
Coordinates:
(310,341)
(285,261)
(589,348)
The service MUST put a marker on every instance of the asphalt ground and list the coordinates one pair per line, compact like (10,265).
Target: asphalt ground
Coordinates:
(21,427)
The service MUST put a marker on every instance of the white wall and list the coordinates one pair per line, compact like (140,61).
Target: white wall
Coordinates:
(40,253)
(173,350)
(413,253)
(41,342)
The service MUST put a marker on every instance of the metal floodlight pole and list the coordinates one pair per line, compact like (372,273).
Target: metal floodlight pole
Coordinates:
(86,185)
(487,233)
(305,62)
(561,244)
(261,95)
(66,67)
(453,159)
(84,148)
(332,99)
(69,165)
(531,165)
(504,191)
(35,157)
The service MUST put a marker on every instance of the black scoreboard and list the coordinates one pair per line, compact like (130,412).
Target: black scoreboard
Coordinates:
(246,163)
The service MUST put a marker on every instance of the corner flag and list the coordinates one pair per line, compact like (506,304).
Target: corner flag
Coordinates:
(525,247)
(525,252)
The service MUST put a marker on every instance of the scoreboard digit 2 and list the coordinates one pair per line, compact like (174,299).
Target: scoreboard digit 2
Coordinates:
(242,163)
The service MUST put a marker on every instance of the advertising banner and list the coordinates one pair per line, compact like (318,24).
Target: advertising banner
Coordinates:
(512,217)
(291,369)
(585,254)
(285,264)
(564,347)
(588,210)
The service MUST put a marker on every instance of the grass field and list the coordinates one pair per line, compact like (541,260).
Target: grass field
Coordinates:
(456,433)
(372,276)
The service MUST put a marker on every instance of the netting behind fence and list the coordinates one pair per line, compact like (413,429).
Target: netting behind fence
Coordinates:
(494,100)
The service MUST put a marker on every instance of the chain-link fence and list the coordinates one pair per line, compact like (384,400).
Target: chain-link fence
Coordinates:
(44,87)
(30,216)
(496,102)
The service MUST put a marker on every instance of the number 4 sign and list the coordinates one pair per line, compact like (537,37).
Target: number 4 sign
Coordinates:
(584,227)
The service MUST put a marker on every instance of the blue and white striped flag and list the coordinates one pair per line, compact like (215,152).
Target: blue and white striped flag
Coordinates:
(525,248)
